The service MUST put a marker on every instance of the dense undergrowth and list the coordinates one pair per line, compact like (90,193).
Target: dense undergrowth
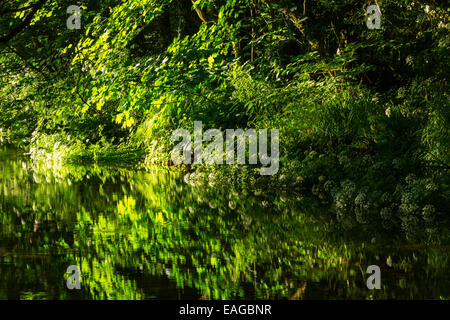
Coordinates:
(363,114)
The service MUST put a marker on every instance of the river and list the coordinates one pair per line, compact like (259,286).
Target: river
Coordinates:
(155,234)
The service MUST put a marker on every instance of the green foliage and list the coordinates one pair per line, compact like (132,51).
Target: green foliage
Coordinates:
(372,104)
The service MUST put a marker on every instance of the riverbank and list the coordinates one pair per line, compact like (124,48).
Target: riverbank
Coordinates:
(361,194)
(363,114)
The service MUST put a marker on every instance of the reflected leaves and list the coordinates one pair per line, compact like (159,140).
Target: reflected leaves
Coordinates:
(139,234)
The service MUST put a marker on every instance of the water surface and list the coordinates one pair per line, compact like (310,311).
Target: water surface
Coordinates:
(157,235)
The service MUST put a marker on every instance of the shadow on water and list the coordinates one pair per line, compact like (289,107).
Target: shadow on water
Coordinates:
(156,234)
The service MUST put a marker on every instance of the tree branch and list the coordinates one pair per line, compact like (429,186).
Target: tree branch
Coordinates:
(201,14)
(15,10)
(25,23)
(24,59)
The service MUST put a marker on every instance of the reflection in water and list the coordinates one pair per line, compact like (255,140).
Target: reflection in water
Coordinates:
(146,235)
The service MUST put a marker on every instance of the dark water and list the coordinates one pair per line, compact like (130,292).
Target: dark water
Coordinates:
(155,235)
